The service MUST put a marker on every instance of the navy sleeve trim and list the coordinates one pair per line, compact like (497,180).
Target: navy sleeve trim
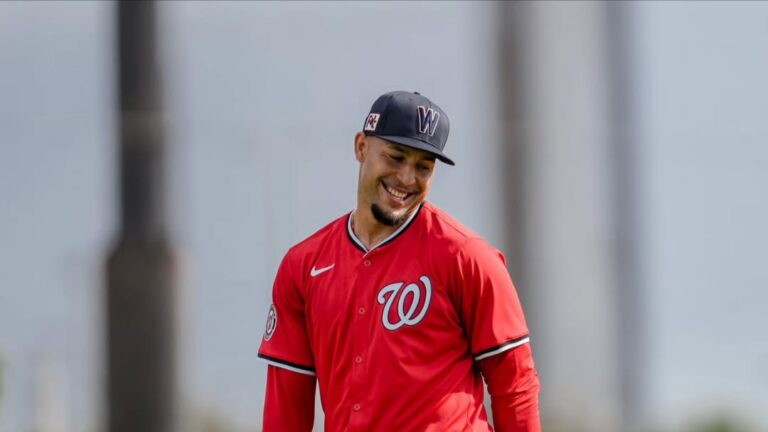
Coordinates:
(306,370)
(506,346)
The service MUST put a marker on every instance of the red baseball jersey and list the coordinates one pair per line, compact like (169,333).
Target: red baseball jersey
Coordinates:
(393,333)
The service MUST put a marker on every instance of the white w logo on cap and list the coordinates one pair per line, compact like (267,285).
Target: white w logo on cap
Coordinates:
(428,119)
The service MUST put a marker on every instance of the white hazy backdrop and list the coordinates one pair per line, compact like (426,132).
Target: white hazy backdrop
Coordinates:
(263,100)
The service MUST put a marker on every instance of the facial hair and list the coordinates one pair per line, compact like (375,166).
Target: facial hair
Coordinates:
(387,218)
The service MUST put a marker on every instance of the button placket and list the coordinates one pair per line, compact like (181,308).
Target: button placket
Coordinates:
(359,347)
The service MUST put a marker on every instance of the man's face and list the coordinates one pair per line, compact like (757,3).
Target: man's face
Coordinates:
(394,179)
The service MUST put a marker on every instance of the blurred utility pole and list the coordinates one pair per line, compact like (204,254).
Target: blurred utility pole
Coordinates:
(556,68)
(140,302)
(630,301)
(512,135)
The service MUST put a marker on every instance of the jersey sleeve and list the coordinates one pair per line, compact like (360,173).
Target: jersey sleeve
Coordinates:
(490,308)
(285,343)
(513,385)
(289,405)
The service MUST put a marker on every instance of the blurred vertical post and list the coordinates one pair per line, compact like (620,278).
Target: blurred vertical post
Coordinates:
(513,151)
(630,301)
(141,346)
(558,149)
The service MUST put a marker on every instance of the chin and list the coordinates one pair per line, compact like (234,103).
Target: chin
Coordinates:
(392,217)
(388,217)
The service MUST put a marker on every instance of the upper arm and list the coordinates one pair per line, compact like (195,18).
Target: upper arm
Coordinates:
(490,308)
(286,343)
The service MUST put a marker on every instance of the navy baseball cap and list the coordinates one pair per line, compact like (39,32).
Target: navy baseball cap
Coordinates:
(409,119)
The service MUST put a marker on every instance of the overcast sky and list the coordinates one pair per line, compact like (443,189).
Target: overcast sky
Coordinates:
(264,100)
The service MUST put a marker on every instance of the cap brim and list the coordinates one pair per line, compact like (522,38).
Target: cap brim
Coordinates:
(418,144)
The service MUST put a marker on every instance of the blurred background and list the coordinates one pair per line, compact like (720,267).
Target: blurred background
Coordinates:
(611,150)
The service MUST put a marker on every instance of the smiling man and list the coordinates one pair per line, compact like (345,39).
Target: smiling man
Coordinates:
(396,309)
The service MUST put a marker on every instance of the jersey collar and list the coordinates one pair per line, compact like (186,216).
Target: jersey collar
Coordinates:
(359,244)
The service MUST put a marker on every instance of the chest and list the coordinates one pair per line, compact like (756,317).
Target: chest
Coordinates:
(392,296)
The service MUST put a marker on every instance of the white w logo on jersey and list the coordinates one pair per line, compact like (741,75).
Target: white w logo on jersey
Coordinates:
(411,317)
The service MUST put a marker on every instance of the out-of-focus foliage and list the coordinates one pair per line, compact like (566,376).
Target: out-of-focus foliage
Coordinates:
(208,419)
(722,422)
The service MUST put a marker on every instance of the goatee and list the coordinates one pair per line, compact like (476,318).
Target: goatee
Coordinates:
(387,218)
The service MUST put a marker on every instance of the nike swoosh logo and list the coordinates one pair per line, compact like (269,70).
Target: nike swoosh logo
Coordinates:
(316,271)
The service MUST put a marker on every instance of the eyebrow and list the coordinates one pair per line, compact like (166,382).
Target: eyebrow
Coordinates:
(405,149)
(397,147)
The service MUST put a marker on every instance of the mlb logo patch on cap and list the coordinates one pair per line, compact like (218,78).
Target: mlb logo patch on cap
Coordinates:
(372,122)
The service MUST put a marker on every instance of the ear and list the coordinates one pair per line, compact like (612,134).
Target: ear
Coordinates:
(361,146)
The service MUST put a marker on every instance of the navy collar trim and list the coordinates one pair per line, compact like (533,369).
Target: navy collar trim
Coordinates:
(359,244)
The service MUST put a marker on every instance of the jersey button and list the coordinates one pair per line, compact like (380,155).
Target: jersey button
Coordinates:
(358,359)
(367,263)
(361,311)
(356,407)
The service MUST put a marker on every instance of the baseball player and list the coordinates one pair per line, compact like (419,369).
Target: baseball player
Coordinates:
(396,309)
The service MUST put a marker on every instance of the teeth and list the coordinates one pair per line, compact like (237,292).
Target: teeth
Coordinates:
(400,195)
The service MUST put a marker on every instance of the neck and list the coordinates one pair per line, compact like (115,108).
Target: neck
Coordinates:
(369,230)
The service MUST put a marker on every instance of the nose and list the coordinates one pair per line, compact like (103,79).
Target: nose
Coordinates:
(407,175)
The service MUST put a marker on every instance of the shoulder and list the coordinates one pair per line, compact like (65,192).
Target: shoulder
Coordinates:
(444,228)
(304,250)
(453,237)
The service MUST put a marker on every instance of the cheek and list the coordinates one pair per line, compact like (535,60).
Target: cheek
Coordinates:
(426,183)
(368,175)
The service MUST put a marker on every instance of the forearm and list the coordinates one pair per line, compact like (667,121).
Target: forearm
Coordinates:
(289,405)
(516,412)
(513,384)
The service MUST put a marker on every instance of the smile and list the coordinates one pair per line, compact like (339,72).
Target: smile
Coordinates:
(398,195)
